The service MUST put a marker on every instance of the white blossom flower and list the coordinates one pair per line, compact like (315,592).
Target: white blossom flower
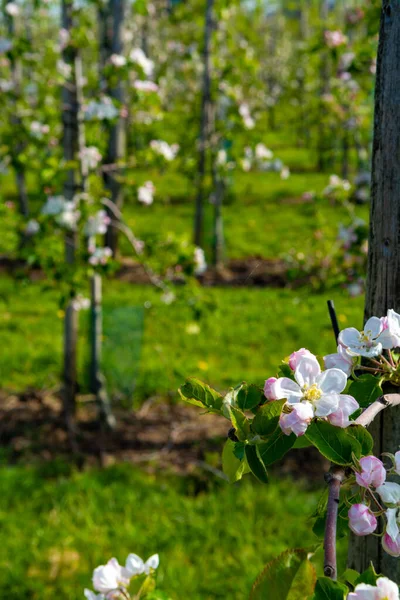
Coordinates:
(390,336)
(384,590)
(298,419)
(104,109)
(53,206)
(80,303)
(340,360)
(39,129)
(199,261)
(136,566)
(89,595)
(146,193)
(285,173)
(32,227)
(64,69)
(69,216)
(321,389)
(109,577)
(12,9)
(262,152)
(100,256)
(366,343)
(166,150)
(138,57)
(97,224)
(90,157)
(145,86)
(389,492)
(333,39)
(117,60)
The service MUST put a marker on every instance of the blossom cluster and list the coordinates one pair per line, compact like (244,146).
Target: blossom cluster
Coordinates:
(167,151)
(384,590)
(311,392)
(64,211)
(112,580)
(372,479)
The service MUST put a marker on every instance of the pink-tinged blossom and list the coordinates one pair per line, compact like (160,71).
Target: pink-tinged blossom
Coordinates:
(109,577)
(296,357)
(89,595)
(12,9)
(347,406)
(363,343)
(138,57)
(298,419)
(117,60)
(391,539)
(361,520)
(90,157)
(269,388)
(390,336)
(100,256)
(334,39)
(145,86)
(97,224)
(391,546)
(384,590)
(321,389)
(372,472)
(340,360)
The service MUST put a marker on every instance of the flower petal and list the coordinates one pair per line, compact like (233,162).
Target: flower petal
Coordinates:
(373,327)
(392,528)
(332,381)
(327,404)
(349,337)
(307,370)
(348,404)
(287,388)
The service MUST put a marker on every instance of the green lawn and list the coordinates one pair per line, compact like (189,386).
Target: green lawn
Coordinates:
(56,529)
(242,335)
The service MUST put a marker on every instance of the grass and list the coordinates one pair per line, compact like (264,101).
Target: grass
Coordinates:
(57,527)
(242,335)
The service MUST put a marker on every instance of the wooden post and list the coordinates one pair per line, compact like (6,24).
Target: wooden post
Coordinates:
(113,44)
(97,381)
(204,124)
(70,147)
(383,281)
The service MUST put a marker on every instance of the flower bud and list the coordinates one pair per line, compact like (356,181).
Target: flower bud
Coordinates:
(372,472)
(397,462)
(296,357)
(298,419)
(269,389)
(361,520)
(390,545)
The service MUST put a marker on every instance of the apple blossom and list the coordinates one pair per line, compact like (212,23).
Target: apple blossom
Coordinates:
(390,336)
(333,39)
(269,388)
(262,152)
(138,56)
(145,86)
(32,227)
(199,261)
(322,389)
(117,60)
(136,566)
(296,357)
(97,224)
(340,360)
(100,256)
(341,417)
(12,9)
(166,150)
(372,472)
(384,590)
(89,595)
(109,577)
(389,492)
(391,539)
(297,420)
(397,462)
(361,520)
(90,157)
(363,343)
(146,193)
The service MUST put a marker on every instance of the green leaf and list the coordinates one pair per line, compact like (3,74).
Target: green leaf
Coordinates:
(326,589)
(335,443)
(302,442)
(364,438)
(276,446)
(291,576)
(366,389)
(249,396)
(240,423)
(350,576)
(267,418)
(285,371)
(198,393)
(369,576)
(233,467)
(255,463)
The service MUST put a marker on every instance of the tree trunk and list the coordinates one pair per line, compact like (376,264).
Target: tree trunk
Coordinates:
(204,125)
(70,147)
(383,281)
(117,131)
(16,74)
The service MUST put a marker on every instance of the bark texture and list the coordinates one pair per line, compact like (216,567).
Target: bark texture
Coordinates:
(113,44)
(383,281)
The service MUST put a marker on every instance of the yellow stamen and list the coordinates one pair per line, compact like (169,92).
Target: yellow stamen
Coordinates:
(312,393)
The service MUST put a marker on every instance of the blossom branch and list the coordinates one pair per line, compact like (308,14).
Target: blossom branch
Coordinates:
(336,477)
